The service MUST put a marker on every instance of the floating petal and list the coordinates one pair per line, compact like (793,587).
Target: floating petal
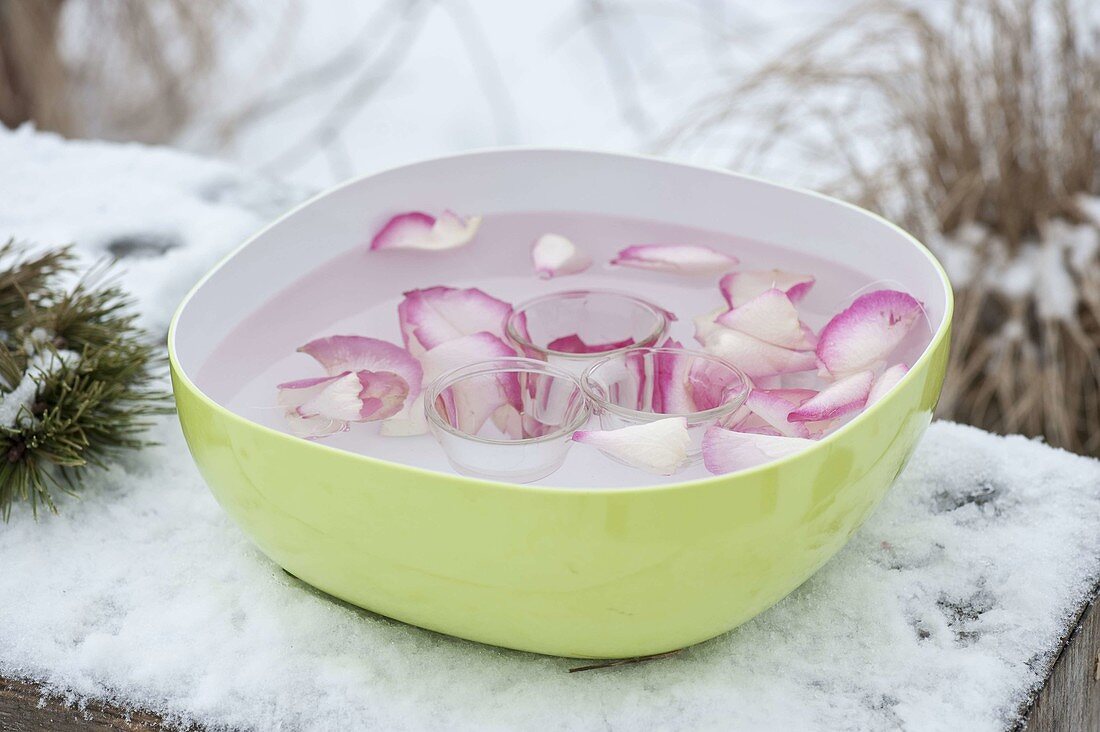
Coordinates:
(849,394)
(555,256)
(865,333)
(361,396)
(435,315)
(771,317)
(473,401)
(293,394)
(680,259)
(740,287)
(886,381)
(659,447)
(727,452)
(755,357)
(417,230)
(341,353)
(774,410)
(705,325)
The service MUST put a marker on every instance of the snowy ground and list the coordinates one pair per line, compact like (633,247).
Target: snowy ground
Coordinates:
(942,613)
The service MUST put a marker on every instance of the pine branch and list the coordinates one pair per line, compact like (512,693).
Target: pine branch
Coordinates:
(79,377)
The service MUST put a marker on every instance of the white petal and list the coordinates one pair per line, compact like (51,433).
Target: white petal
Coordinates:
(659,447)
(555,256)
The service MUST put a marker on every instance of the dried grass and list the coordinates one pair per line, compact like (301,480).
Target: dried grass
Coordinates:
(135,74)
(976,125)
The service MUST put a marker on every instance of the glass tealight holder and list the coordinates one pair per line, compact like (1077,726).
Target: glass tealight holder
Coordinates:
(644,385)
(509,419)
(576,328)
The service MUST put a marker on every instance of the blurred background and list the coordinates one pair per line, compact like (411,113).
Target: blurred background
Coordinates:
(973,123)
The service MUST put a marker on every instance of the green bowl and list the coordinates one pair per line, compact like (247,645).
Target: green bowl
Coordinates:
(569,571)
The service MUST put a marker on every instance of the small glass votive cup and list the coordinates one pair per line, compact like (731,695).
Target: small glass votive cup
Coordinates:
(509,419)
(647,384)
(573,329)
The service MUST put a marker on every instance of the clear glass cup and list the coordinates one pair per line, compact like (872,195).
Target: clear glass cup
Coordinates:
(508,419)
(643,385)
(575,328)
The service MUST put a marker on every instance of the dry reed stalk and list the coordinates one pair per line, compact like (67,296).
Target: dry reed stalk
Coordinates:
(976,125)
(133,72)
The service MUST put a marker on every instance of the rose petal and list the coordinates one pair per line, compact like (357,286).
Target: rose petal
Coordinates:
(361,396)
(435,315)
(886,381)
(774,410)
(293,394)
(712,385)
(684,383)
(865,333)
(659,447)
(771,317)
(727,452)
(755,357)
(705,325)
(671,379)
(555,256)
(417,230)
(681,259)
(572,343)
(341,353)
(474,401)
(357,353)
(464,351)
(846,395)
(740,287)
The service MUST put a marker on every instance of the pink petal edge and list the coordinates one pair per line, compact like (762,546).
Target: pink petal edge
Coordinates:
(361,396)
(774,410)
(418,230)
(865,333)
(771,317)
(847,395)
(740,287)
(340,353)
(432,316)
(688,259)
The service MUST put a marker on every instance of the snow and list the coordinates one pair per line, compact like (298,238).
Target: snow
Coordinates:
(134,201)
(943,611)
(16,401)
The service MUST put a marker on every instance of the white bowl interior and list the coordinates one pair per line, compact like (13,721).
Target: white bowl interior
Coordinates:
(312,274)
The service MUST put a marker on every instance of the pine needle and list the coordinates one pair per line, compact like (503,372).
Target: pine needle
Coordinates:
(99,395)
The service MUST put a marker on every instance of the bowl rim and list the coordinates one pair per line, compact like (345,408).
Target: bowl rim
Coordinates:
(934,344)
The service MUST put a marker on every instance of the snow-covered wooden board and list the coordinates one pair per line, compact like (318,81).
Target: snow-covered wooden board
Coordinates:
(1068,700)
(945,611)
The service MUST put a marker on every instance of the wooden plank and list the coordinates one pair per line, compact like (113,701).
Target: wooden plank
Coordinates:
(24,708)
(1070,698)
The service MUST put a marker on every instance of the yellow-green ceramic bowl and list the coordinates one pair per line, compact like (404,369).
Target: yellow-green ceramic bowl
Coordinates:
(587,572)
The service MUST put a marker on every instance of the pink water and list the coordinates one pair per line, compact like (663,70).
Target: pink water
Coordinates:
(358,293)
